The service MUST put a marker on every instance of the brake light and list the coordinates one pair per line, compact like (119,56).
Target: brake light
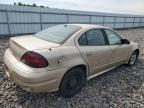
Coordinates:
(34,60)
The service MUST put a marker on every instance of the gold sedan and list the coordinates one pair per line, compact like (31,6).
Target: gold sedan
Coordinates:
(64,57)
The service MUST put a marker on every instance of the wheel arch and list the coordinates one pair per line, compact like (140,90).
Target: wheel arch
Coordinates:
(82,66)
(137,51)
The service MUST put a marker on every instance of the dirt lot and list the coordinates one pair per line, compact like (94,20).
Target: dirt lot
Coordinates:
(122,87)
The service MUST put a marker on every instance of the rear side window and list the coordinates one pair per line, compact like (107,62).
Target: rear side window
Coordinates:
(83,40)
(92,38)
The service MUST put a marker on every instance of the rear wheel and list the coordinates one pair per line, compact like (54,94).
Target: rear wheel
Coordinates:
(133,59)
(72,82)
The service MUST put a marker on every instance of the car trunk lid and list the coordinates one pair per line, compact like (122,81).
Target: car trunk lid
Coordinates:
(22,44)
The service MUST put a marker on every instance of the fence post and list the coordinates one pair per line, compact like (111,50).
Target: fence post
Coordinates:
(41,20)
(8,24)
(114,21)
(133,21)
(140,21)
(90,20)
(67,15)
(103,20)
(124,22)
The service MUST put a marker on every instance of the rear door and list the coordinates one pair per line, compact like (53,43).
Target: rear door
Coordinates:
(119,52)
(94,50)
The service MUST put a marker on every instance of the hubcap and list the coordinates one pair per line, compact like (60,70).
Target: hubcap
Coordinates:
(133,59)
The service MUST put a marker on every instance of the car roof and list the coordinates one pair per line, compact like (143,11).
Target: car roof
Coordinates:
(89,25)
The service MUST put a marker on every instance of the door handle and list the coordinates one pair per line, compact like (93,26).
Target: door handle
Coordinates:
(89,54)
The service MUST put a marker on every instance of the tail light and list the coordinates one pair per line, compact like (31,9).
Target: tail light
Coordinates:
(34,60)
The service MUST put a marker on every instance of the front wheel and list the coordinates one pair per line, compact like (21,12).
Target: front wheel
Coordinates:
(72,82)
(133,59)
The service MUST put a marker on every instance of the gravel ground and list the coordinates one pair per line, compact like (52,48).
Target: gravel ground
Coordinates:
(122,87)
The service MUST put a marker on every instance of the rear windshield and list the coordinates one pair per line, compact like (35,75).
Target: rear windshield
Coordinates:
(58,33)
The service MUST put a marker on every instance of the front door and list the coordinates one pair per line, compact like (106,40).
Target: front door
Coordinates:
(119,52)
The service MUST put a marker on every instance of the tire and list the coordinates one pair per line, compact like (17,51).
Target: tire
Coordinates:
(72,82)
(133,59)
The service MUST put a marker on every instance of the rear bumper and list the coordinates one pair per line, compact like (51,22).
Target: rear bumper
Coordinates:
(42,81)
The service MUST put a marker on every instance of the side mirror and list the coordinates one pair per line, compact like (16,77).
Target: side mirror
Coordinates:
(125,41)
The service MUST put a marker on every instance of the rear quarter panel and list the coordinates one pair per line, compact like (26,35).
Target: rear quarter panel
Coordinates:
(62,57)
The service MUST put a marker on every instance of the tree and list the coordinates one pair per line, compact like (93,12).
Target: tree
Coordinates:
(15,4)
(34,5)
(42,6)
(20,4)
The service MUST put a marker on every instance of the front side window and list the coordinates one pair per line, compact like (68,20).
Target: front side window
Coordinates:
(58,33)
(92,38)
(114,38)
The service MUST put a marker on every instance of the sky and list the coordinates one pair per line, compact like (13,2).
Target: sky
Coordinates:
(110,6)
